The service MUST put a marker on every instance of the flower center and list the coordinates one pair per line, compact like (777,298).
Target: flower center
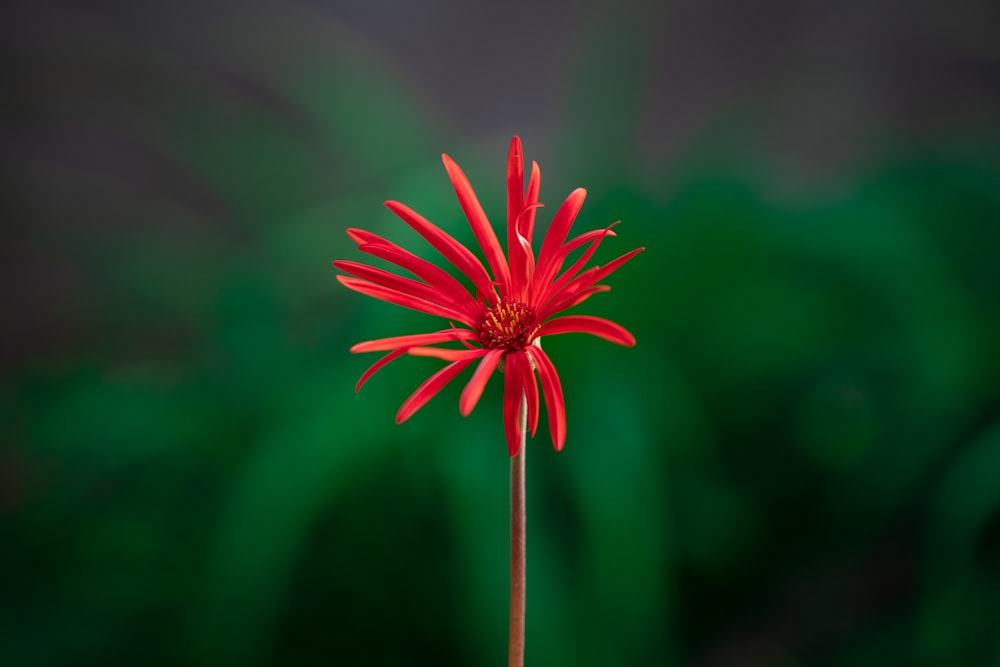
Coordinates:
(510,325)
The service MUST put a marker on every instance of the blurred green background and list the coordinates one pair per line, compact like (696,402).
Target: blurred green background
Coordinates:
(798,464)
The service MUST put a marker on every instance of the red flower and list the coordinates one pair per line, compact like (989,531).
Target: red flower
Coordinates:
(511,310)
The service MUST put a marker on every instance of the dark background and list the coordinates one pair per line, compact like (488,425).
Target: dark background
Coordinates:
(798,464)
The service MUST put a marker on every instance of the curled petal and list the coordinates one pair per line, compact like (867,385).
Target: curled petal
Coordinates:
(482,374)
(522,261)
(481,226)
(597,326)
(520,256)
(552,389)
(515,188)
(527,225)
(430,387)
(395,354)
(394,342)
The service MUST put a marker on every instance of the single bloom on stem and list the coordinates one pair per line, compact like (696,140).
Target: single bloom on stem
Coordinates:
(517,298)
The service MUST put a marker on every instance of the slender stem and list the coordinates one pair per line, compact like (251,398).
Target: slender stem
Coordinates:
(518,518)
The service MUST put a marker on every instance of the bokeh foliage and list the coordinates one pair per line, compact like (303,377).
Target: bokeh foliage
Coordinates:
(797,465)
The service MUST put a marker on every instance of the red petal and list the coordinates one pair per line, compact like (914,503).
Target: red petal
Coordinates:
(522,263)
(520,257)
(567,301)
(597,326)
(515,189)
(419,267)
(482,374)
(559,228)
(359,236)
(400,299)
(409,286)
(583,282)
(528,223)
(452,250)
(530,393)
(394,342)
(395,354)
(447,354)
(544,286)
(512,394)
(429,388)
(384,249)
(587,237)
(552,389)
(478,221)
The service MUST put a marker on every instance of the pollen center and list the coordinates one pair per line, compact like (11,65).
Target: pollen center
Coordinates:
(510,325)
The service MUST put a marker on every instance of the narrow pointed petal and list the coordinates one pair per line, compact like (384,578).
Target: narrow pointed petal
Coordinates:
(361,236)
(400,299)
(412,340)
(602,272)
(544,285)
(439,280)
(567,301)
(478,221)
(530,393)
(597,326)
(512,392)
(444,243)
(552,389)
(409,286)
(447,354)
(588,237)
(430,387)
(557,299)
(559,228)
(482,374)
(419,267)
(395,354)
(377,246)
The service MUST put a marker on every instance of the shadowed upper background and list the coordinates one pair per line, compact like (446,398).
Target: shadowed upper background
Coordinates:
(798,463)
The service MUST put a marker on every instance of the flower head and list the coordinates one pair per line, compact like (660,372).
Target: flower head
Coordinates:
(513,304)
